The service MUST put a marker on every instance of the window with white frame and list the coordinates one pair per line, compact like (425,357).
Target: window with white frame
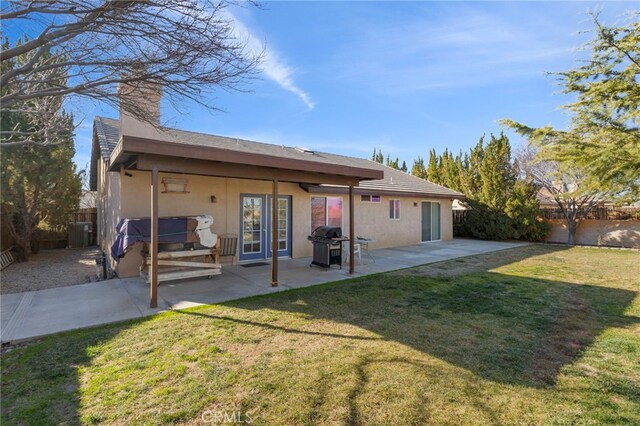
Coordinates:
(370,198)
(394,209)
(326,211)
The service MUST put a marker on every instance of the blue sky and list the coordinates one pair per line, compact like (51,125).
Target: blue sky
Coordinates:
(404,77)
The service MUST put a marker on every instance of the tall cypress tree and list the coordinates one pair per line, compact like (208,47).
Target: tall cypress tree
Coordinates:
(418,168)
(433,169)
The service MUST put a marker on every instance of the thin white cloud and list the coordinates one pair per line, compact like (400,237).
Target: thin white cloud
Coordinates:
(272,65)
(432,52)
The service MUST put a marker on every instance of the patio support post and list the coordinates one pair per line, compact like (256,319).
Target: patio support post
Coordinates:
(274,234)
(352,232)
(153,272)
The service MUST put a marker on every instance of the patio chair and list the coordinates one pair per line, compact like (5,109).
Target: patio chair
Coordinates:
(229,246)
(357,251)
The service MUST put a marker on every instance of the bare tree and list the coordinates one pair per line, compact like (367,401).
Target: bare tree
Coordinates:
(565,186)
(186,46)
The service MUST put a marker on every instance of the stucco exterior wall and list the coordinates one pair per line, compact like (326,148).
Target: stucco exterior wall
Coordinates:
(371,219)
(108,203)
(615,233)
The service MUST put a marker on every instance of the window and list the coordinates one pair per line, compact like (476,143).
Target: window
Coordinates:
(394,209)
(326,211)
(370,198)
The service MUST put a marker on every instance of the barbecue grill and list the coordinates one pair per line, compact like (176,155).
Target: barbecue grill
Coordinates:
(327,246)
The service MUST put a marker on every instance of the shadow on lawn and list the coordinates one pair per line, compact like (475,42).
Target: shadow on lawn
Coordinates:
(504,328)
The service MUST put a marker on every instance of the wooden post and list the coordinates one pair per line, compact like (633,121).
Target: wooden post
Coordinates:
(274,235)
(153,273)
(352,232)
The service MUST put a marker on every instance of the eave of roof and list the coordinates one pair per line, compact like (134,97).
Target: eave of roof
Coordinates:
(129,145)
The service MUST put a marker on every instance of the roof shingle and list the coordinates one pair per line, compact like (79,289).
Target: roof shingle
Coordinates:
(396,181)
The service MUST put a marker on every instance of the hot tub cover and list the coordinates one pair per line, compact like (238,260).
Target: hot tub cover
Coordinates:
(195,229)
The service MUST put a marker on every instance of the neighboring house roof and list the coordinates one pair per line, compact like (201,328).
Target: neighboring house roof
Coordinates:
(106,137)
(87,199)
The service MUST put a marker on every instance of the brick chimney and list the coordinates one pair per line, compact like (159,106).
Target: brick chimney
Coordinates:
(144,97)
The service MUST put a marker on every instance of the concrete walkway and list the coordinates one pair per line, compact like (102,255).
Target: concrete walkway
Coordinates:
(39,313)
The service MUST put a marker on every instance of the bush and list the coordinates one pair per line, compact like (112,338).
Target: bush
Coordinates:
(519,221)
(485,223)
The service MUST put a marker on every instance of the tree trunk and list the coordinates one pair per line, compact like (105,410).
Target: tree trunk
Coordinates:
(571,236)
(22,235)
(572,226)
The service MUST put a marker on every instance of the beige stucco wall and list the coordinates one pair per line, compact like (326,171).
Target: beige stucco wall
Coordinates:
(371,219)
(615,233)
(108,205)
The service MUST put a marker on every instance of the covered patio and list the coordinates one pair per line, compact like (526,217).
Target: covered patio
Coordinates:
(39,313)
(223,157)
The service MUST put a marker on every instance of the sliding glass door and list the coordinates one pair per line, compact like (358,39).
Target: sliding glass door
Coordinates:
(431,221)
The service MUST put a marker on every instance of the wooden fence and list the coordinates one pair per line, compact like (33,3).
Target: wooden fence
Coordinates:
(89,215)
(458,216)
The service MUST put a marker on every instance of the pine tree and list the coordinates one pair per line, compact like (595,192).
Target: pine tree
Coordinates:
(602,142)
(40,184)
(404,167)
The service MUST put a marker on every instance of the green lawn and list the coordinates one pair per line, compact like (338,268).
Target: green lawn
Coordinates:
(536,335)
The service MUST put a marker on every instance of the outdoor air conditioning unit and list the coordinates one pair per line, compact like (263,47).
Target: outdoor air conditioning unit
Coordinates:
(80,234)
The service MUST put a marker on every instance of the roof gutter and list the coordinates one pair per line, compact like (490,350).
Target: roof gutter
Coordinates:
(323,189)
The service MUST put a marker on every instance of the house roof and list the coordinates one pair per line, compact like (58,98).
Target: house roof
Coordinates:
(109,144)
(395,182)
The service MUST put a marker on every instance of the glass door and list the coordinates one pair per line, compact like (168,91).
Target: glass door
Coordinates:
(252,226)
(431,230)
(426,221)
(284,226)
(255,226)
(435,221)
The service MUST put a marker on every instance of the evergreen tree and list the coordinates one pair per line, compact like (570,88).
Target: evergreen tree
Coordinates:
(501,205)
(433,169)
(496,172)
(602,142)
(418,168)
(392,163)
(40,184)
(404,167)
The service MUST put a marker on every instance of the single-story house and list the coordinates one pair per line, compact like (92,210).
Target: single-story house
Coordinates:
(234,180)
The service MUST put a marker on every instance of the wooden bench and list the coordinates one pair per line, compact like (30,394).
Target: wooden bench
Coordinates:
(6,258)
(175,265)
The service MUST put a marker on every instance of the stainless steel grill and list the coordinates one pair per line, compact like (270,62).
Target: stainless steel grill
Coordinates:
(327,246)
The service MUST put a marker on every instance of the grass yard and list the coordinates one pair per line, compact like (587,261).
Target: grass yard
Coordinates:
(535,335)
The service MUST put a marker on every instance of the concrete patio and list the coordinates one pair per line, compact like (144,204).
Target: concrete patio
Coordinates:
(40,313)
